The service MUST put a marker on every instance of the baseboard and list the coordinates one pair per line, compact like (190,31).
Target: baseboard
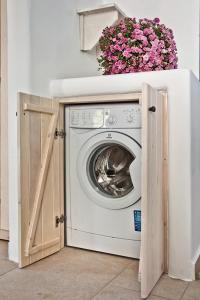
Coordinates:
(197,268)
(100,243)
(4,234)
(196,263)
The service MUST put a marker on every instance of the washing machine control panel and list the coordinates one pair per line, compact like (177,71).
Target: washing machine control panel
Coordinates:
(106,116)
(90,118)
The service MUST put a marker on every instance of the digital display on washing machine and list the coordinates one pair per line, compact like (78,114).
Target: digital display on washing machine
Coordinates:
(108,170)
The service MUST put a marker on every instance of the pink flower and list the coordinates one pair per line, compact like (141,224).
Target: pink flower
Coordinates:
(112,49)
(140,37)
(171,58)
(127,54)
(123,46)
(152,37)
(138,32)
(111,30)
(137,26)
(120,35)
(136,50)
(158,68)
(150,64)
(146,57)
(156,20)
(155,44)
(119,65)
(123,27)
(115,58)
(144,40)
(158,61)
(145,43)
(137,46)
(117,47)
(147,49)
(148,31)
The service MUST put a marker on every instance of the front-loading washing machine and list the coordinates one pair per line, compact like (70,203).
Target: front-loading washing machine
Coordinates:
(103,177)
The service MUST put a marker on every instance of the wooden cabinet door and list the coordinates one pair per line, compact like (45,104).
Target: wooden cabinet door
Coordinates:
(41,178)
(152,235)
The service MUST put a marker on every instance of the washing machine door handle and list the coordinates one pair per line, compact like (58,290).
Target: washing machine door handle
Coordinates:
(134,169)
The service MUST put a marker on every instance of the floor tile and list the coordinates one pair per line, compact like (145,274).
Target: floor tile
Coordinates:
(6,266)
(80,261)
(128,278)
(170,288)
(77,274)
(193,291)
(32,285)
(117,293)
(71,274)
(152,297)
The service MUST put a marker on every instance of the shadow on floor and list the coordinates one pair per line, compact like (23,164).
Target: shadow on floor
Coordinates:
(5,265)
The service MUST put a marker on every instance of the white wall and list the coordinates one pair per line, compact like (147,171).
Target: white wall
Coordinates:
(55,48)
(181,16)
(43,44)
(18,80)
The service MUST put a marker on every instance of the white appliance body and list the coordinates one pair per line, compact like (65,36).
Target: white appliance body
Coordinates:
(103,178)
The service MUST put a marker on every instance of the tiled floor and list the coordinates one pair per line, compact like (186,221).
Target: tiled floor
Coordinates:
(75,274)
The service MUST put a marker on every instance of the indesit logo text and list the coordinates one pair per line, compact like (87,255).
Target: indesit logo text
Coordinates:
(109,136)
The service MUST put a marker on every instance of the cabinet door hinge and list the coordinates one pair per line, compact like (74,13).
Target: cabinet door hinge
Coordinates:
(60,133)
(60,219)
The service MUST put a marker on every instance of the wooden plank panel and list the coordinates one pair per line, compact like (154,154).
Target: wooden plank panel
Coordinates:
(45,119)
(44,246)
(166,180)
(24,161)
(152,236)
(60,167)
(49,210)
(39,109)
(129,97)
(35,163)
(41,199)
(41,182)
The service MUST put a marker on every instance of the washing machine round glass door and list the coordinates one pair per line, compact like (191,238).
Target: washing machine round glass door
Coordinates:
(108,170)
(111,170)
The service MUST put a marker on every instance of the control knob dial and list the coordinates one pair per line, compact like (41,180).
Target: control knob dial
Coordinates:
(130,118)
(111,120)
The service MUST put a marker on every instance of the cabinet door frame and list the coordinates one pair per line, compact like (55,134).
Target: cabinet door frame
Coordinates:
(135,97)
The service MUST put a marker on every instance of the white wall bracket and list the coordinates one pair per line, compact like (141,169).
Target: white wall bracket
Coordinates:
(94,20)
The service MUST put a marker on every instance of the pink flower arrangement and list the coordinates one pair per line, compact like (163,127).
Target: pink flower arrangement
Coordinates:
(137,46)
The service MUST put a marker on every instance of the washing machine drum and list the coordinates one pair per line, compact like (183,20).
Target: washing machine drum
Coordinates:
(108,169)
(111,170)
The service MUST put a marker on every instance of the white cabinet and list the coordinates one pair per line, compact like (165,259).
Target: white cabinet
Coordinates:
(183,90)
(42,178)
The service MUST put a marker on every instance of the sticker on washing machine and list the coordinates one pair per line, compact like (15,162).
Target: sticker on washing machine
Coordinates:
(137,220)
